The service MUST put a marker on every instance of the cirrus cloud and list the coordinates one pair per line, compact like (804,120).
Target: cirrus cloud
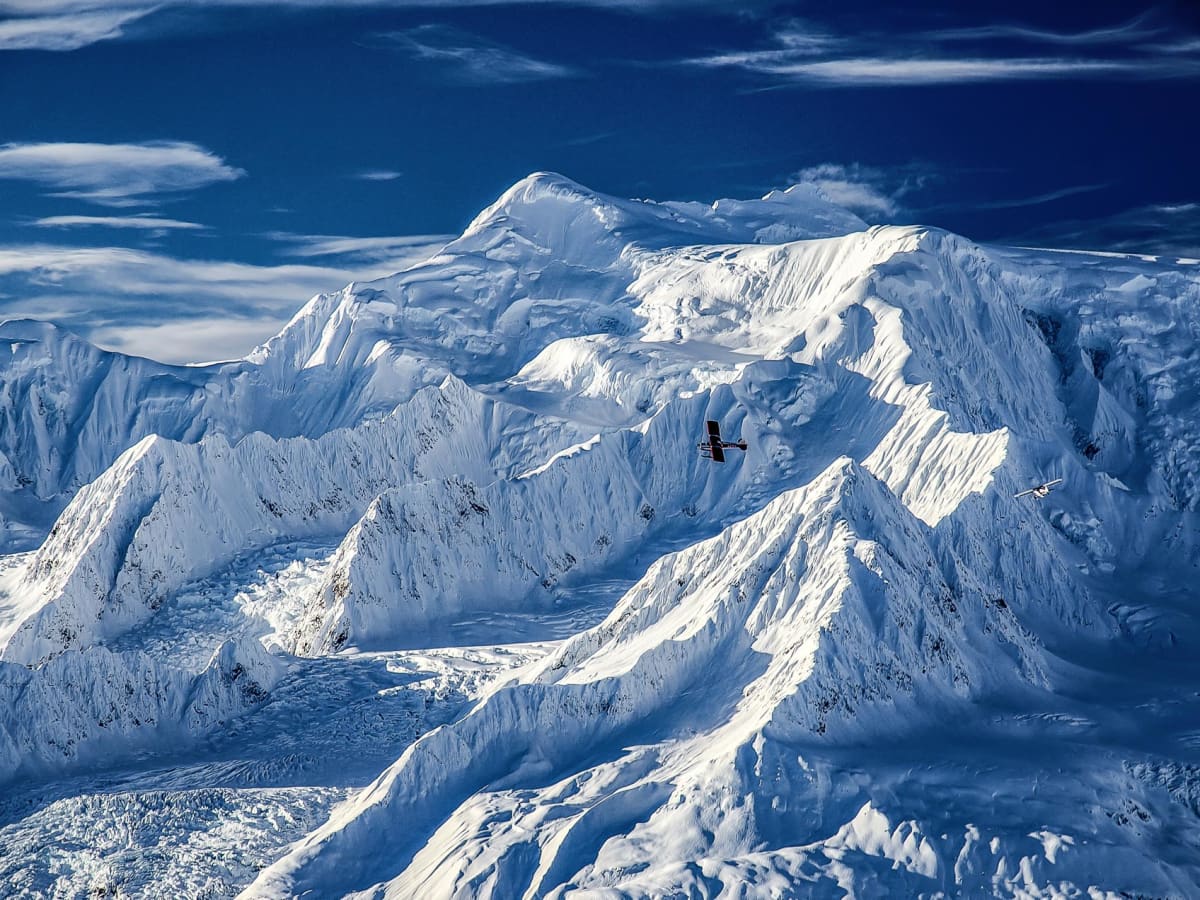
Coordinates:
(471,59)
(1157,229)
(379,175)
(398,251)
(149,223)
(67,31)
(803,54)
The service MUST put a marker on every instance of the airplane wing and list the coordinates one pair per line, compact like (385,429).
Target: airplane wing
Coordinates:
(718,452)
(714,430)
(1023,494)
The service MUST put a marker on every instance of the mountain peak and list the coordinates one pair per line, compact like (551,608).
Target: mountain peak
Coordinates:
(548,207)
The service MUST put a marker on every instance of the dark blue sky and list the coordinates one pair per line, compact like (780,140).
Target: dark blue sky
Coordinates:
(178,176)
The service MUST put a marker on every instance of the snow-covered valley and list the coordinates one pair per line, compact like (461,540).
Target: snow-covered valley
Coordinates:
(432,595)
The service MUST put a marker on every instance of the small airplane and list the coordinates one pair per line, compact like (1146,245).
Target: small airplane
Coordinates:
(1041,490)
(713,447)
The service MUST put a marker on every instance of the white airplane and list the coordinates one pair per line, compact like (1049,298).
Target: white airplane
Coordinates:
(1041,490)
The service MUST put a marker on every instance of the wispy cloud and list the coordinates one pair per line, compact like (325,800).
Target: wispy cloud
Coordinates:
(149,223)
(47,7)
(396,252)
(802,54)
(587,139)
(1039,199)
(856,188)
(121,297)
(71,24)
(115,174)
(872,193)
(379,175)
(866,71)
(141,274)
(67,31)
(1185,45)
(189,341)
(1137,29)
(1159,229)
(188,310)
(471,59)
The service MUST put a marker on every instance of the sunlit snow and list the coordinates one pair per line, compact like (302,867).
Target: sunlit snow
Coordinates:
(433,596)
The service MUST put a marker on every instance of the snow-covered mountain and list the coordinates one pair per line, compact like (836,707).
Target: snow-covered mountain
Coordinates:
(847,660)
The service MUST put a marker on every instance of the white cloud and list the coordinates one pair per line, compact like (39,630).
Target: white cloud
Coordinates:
(406,249)
(1187,45)
(803,38)
(878,71)
(802,55)
(67,31)
(150,223)
(154,305)
(190,341)
(379,175)
(115,174)
(869,71)
(184,310)
(139,273)
(471,59)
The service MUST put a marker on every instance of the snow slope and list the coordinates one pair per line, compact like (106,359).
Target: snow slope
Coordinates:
(847,660)
(85,706)
(167,512)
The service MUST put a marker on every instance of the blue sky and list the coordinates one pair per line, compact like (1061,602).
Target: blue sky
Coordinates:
(178,176)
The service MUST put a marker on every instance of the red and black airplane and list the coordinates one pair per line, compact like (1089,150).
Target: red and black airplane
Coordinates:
(713,447)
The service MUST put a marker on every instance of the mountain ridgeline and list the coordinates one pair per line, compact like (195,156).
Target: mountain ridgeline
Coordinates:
(849,659)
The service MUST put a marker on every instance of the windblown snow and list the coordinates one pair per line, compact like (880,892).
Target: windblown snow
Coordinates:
(432,595)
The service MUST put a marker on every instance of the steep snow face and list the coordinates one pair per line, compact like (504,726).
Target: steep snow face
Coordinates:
(1122,334)
(428,552)
(167,513)
(95,706)
(829,614)
(909,606)
(742,318)
(69,409)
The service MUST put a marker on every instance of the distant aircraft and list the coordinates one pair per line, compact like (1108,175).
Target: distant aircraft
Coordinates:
(713,447)
(1041,490)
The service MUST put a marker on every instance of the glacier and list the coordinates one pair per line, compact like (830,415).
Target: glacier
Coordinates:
(431,594)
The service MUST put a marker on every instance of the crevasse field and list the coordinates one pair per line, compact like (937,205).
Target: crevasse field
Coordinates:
(432,595)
